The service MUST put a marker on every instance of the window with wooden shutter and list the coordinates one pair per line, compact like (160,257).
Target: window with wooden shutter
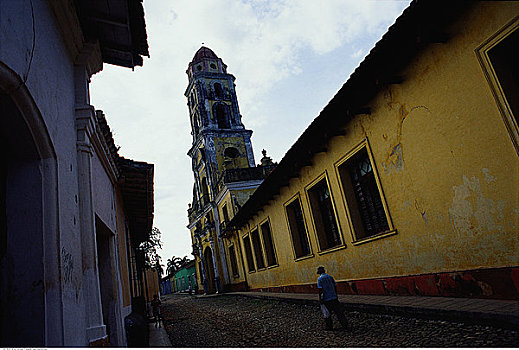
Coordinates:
(363,196)
(269,244)
(324,216)
(296,223)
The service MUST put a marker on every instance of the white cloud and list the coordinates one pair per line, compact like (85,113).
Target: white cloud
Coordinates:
(357,54)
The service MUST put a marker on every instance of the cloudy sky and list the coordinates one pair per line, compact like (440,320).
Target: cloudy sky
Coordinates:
(289,58)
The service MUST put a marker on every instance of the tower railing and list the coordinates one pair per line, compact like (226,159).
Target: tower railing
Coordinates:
(197,206)
(225,97)
(244,174)
(204,200)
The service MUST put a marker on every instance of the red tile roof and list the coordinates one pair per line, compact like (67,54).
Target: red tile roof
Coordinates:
(203,52)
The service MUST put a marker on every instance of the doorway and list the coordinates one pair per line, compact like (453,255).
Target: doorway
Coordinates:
(22,200)
(209,270)
(107,281)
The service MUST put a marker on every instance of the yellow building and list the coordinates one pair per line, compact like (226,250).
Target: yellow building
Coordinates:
(223,166)
(407,181)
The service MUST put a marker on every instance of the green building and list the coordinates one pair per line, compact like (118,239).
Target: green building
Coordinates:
(184,277)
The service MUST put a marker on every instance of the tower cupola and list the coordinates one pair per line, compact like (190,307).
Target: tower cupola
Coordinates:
(205,61)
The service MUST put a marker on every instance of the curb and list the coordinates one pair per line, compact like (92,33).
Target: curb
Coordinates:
(462,316)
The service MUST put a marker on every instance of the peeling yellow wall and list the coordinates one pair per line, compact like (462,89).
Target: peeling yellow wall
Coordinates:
(221,143)
(197,260)
(241,196)
(226,200)
(205,243)
(152,283)
(446,164)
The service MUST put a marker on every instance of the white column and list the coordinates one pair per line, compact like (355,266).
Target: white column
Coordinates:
(221,246)
(215,266)
(118,294)
(202,264)
(93,309)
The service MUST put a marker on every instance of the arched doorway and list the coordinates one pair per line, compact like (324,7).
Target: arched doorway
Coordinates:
(30,311)
(209,270)
(21,259)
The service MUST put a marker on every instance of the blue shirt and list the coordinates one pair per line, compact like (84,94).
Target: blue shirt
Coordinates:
(326,283)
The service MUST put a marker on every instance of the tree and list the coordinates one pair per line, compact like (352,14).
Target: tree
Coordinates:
(184,261)
(159,268)
(175,263)
(172,265)
(150,247)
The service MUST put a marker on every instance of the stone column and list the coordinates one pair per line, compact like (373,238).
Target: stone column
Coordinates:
(204,276)
(222,247)
(117,294)
(248,147)
(215,266)
(85,115)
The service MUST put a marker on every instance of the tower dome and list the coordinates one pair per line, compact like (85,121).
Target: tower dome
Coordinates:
(206,61)
(203,52)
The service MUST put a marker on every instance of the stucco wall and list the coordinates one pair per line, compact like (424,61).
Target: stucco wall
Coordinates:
(185,272)
(31,46)
(104,194)
(32,50)
(122,253)
(152,283)
(221,143)
(447,169)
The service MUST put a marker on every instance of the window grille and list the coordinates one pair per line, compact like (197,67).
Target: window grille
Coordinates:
(269,244)
(234,262)
(248,253)
(297,229)
(324,216)
(258,251)
(363,197)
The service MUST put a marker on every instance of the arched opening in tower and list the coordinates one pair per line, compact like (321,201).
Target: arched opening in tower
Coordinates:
(221,113)
(205,191)
(218,90)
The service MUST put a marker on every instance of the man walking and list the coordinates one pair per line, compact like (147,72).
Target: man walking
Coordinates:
(328,296)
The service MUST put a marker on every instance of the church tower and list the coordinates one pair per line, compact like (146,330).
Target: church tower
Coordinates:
(220,140)
(223,168)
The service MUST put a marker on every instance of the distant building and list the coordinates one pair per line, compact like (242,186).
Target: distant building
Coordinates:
(180,280)
(225,174)
(407,181)
(72,211)
(184,277)
(165,285)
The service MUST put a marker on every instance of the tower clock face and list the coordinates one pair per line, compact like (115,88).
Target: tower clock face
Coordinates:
(231,152)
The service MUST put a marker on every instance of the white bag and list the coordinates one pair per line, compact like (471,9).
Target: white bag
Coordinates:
(325,311)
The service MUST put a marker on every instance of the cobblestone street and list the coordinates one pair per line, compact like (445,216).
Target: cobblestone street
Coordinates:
(236,321)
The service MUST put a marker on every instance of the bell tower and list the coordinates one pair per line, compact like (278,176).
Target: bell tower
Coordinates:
(223,167)
(220,140)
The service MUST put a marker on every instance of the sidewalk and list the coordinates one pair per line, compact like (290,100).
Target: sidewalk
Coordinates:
(158,336)
(502,313)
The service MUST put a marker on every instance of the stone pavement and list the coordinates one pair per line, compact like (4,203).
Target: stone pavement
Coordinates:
(502,313)
(158,336)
